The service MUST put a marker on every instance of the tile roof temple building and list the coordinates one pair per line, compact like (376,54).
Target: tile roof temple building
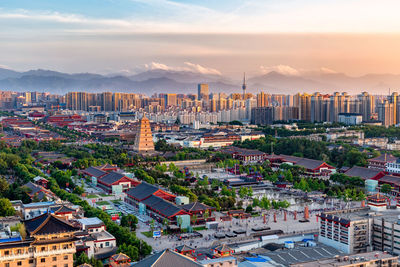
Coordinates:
(144,139)
(49,241)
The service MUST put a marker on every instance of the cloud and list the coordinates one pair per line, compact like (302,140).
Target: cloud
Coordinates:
(188,66)
(158,66)
(327,70)
(290,71)
(282,69)
(252,16)
(200,69)
(4,66)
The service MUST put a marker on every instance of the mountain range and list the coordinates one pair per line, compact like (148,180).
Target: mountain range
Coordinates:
(166,81)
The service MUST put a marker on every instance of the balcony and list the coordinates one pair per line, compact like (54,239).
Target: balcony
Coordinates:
(16,256)
(36,254)
(54,252)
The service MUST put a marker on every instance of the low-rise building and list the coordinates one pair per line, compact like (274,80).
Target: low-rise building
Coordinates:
(91,225)
(380,162)
(112,180)
(365,173)
(338,134)
(159,203)
(350,118)
(38,192)
(245,155)
(35,209)
(393,167)
(312,167)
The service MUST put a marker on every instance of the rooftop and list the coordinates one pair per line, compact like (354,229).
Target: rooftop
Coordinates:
(348,215)
(90,221)
(103,235)
(364,173)
(112,177)
(48,224)
(357,259)
(38,204)
(385,158)
(93,171)
(167,258)
(302,254)
(142,191)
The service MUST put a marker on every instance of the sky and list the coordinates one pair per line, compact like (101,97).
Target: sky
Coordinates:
(218,37)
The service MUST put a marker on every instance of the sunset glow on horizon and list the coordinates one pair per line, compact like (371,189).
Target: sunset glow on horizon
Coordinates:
(354,37)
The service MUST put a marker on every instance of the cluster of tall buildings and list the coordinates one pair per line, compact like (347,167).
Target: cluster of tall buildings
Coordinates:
(319,107)
(262,108)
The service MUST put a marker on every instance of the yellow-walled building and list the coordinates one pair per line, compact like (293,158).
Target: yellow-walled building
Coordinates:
(49,242)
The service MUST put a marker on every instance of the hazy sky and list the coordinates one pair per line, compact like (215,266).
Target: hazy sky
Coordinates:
(209,36)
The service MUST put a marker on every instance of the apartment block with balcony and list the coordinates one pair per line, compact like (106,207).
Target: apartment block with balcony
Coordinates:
(346,230)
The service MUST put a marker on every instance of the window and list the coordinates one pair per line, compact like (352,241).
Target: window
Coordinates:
(7,252)
(65,265)
(54,247)
(43,260)
(54,258)
(19,263)
(31,261)
(6,265)
(107,244)
(66,257)
(42,248)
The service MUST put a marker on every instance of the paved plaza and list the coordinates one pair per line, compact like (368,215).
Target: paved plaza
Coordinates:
(290,226)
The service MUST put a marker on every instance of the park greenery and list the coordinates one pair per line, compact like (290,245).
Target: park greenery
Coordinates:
(343,155)
(18,166)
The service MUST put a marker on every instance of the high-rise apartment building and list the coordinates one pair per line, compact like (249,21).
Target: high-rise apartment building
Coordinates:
(77,101)
(320,108)
(263,99)
(202,91)
(367,105)
(107,101)
(386,112)
(203,94)
(262,115)
(303,102)
(171,100)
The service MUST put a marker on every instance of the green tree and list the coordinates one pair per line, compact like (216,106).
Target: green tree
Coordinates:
(250,192)
(4,186)
(6,208)
(130,221)
(386,188)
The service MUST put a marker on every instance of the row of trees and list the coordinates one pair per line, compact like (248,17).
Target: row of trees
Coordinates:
(345,155)
(267,204)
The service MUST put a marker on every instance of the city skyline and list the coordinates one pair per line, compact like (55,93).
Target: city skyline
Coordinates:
(224,38)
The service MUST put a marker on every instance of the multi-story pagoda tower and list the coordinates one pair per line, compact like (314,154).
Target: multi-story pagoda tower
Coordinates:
(144,139)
